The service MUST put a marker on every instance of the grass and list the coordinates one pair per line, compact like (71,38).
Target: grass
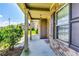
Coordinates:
(33,32)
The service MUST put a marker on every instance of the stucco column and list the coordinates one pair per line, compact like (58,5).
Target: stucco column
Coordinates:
(30,29)
(26,32)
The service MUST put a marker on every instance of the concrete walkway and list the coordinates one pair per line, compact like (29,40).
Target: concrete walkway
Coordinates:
(38,47)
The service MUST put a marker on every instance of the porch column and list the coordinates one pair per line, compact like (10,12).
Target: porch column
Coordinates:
(30,29)
(26,32)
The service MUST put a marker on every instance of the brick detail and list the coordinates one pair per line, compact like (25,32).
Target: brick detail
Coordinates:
(62,49)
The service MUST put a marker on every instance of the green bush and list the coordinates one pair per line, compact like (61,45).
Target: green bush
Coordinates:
(33,29)
(10,35)
(37,31)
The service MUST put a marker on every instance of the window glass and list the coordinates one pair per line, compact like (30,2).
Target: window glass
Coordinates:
(63,24)
(63,32)
(63,12)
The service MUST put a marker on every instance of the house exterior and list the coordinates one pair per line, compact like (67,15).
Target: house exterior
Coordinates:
(60,27)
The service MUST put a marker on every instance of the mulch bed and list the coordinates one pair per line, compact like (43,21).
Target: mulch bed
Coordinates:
(15,52)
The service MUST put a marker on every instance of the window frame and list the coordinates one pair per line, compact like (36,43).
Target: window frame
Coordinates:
(61,25)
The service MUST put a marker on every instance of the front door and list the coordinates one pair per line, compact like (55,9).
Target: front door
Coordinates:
(43,28)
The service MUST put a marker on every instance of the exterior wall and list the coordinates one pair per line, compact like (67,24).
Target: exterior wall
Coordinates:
(60,47)
(43,28)
(51,27)
(48,28)
(35,24)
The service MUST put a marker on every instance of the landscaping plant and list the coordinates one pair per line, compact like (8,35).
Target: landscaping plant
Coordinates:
(10,35)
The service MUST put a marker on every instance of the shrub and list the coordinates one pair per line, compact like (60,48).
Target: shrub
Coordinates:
(33,29)
(10,35)
(37,31)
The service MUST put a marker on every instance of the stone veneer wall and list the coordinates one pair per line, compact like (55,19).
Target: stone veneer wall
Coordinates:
(61,48)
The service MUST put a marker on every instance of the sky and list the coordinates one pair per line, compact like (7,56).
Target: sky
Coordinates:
(10,11)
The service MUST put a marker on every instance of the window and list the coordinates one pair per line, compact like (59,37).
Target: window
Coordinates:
(74,23)
(63,32)
(62,23)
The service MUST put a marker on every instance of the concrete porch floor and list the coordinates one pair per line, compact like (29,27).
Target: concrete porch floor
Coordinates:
(38,47)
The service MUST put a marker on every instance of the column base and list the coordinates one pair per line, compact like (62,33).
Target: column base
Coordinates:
(26,50)
(30,39)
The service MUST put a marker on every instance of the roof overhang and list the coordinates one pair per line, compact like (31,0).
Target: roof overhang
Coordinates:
(39,10)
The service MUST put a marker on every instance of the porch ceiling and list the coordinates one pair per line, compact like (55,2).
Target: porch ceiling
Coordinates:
(39,6)
(37,10)
(40,10)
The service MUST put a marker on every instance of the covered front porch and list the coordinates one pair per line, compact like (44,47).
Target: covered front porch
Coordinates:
(38,47)
(36,44)
(54,26)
